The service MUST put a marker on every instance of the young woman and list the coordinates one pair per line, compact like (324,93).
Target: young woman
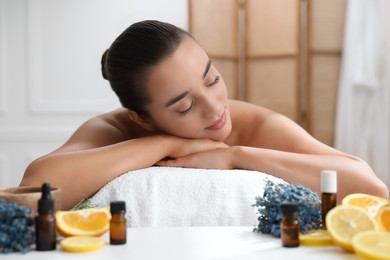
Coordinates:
(176,113)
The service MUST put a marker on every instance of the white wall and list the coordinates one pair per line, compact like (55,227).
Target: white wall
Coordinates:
(50,80)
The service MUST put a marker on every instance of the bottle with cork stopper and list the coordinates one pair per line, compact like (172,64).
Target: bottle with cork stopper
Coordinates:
(328,193)
(118,223)
(45,222)
(289,225)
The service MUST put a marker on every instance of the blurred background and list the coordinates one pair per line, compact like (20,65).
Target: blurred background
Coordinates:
(324,64)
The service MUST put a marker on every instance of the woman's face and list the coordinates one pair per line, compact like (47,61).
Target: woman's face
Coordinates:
(189,97)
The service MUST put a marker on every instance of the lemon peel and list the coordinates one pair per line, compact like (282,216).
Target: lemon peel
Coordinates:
(79,244)
(316,238)
(373,245)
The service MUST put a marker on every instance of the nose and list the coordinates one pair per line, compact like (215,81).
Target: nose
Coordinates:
(211,106)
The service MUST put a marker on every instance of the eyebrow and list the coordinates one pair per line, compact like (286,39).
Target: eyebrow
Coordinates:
(177,99)
(185,93)
(207,69)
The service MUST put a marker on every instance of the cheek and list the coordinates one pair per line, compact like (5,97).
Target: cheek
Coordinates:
(175,125)
(190,127)
(222,91)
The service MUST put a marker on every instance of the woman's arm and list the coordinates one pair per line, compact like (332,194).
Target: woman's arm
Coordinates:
(354,175)
(97,153)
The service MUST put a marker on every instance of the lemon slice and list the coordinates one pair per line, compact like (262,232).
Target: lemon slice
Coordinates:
(316,238)
(370,203)
(372,245)
(82,243)
(344,222)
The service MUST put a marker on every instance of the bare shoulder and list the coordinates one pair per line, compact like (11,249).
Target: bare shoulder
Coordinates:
(261,127)
(102,130)
(247,120)
(116,121)
(245,109)
(246,114)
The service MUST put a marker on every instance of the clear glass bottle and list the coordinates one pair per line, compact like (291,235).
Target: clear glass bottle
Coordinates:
(328,193)
(45,222)
(118,223)
(289,226)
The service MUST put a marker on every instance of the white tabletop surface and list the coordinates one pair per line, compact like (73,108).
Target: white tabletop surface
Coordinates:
(187,243)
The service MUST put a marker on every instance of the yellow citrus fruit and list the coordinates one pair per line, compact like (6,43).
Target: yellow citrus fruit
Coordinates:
(383,218)
(84,222)
(315,238)
(370,203)
(82,243)
(372,245)
(344,222)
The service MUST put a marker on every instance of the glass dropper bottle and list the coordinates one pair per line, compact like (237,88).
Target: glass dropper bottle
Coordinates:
(45,223)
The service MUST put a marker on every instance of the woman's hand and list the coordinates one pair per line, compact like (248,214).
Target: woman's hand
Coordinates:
(181,147)
(217,158)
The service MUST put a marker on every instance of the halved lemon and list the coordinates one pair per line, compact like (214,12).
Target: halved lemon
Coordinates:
(372,245)
(370,203)
(383,218)
(84,222)
(316,238)
(344,222)
(82,243)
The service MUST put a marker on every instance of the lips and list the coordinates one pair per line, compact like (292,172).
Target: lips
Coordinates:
(219,123)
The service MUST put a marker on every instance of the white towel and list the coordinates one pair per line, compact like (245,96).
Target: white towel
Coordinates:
(170,196)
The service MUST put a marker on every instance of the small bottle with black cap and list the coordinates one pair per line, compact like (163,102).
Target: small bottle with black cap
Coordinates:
(45,222)
(118,223)
(289,226)
(329,193)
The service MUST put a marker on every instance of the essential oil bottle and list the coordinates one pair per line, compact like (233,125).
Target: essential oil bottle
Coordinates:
(289,226)
(118,223)
(329,193)
(45,222)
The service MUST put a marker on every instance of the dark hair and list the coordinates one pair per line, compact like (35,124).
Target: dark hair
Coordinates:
(129,60)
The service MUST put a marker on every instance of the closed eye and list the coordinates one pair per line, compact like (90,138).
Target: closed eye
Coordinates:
(215,82)
(184,112)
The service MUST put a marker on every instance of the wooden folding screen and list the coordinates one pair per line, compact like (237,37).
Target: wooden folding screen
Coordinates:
(281,54)
(326,30)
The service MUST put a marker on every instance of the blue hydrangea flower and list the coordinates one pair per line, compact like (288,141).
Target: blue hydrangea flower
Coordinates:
(268,207)
(17,227)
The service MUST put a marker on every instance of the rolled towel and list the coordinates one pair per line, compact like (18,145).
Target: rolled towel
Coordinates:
(172,196)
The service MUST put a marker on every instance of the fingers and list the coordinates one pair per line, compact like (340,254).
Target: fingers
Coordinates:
(182,147)
(206,145)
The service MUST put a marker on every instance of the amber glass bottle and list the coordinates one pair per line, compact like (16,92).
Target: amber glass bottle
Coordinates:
(118,223)
(45,223)
(328,193)
(289,226)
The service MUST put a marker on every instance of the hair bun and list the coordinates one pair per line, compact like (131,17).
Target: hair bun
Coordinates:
(103,62)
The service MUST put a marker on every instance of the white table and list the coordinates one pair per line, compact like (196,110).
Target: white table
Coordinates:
(187,243)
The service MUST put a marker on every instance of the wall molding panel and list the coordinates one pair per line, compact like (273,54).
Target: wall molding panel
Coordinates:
(3,171)
(35,134)
(3,73)
(44,59)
